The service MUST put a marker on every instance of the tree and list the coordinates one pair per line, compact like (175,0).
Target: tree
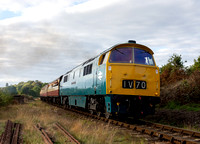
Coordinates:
(25,89)
(174,63)
(19,87)
(11,90)
(36,89)
(173,71)
(196,65)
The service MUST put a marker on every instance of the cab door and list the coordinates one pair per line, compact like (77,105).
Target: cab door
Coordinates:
(101,74)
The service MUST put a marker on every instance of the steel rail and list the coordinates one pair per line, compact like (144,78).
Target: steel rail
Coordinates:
(44,135)
(173,129)
(67,134)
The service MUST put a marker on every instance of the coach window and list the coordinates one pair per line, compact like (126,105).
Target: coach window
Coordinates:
(56,84)
(65,78)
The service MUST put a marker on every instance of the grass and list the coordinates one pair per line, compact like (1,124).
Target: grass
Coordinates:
(177,106)
(86,130)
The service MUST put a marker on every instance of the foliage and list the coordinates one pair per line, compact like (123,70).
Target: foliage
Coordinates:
(5,98)
(173,71)
(180,83)
(31,88)
(174,63)
(28,88)
(11,90)
(196,66)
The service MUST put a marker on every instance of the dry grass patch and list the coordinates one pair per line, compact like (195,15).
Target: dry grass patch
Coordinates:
(85,130)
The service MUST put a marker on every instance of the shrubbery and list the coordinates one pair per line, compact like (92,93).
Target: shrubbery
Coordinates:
(5,98)
(173,71)
(180,84)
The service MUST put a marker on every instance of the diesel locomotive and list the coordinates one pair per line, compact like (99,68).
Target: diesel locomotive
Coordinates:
(122,80)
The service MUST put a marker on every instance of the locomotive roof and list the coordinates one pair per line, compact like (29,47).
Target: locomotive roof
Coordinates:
(113,47)
(128,44)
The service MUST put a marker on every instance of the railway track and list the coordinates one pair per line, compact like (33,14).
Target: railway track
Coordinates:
(49,140)
(163,132)
(12,133)
(67,134)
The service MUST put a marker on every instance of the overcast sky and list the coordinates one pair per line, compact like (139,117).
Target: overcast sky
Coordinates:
(43,39)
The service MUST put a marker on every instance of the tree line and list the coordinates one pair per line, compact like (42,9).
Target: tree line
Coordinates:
(31,88)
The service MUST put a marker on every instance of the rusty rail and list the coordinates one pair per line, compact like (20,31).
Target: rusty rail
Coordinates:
(44,135)
(67,134)
(12,133)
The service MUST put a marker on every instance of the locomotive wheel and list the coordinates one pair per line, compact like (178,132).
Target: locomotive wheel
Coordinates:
(107,115)
(91,112)
(98,114)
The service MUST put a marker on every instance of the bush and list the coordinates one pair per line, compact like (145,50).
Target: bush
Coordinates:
(5,98)
(173,71)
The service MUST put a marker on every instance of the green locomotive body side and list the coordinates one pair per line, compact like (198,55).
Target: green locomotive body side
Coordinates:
(82,82)
(78,84)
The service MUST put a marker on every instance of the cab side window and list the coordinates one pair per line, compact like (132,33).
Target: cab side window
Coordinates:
(104,58)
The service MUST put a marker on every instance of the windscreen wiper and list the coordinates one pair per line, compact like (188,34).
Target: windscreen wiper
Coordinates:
(120,52)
